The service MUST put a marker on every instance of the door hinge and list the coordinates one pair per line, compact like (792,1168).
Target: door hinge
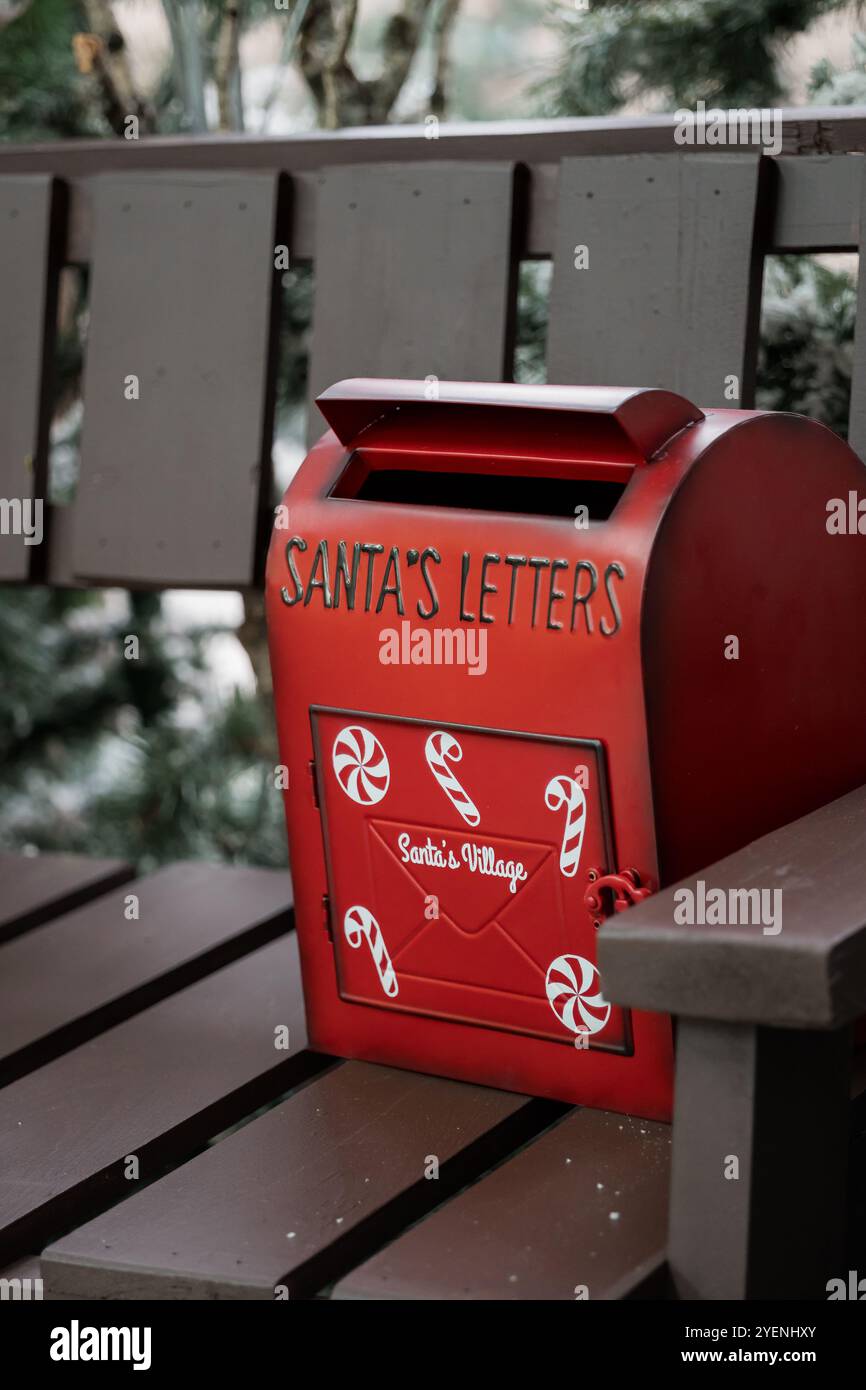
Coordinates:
(326,916)
(311,771)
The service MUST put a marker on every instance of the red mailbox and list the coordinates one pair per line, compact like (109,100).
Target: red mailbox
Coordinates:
(537,650)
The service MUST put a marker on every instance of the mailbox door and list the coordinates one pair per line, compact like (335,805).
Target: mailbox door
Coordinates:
(458,860)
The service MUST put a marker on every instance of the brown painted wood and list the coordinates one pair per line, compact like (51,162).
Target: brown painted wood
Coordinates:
(183,296)
(671,293)
(811,975)
(31,229)
(777,1103)
(573,1215)
(90,968)
(302,1193)
(414,274)
(158,1086)
(36,887)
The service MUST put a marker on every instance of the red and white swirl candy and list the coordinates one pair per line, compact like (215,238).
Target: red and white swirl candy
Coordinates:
(438,750)
(361,765)
(564,791)
(574,994)
(360,924)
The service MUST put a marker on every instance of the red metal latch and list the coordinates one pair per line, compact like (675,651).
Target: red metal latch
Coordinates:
(624,888)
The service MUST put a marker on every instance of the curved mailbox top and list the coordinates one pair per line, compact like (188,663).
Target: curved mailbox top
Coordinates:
(647,417)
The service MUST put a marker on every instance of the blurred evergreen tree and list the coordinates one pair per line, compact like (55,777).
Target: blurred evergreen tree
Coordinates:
(674,53)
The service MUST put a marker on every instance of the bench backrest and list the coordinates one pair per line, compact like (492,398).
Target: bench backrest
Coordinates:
(415,245)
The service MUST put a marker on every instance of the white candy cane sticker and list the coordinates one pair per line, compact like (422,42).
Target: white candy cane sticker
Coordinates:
(439,748)
(361,765)
(359,923)
(564,791)
(574,994)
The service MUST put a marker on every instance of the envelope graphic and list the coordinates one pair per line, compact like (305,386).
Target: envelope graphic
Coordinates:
(467,912)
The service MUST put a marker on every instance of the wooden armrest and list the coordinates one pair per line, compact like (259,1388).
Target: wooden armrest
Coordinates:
(805,970)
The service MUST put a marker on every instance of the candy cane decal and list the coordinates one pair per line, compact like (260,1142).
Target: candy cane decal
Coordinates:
(358,923)
(437,750)
(361,765)
(567,994)
(564,791)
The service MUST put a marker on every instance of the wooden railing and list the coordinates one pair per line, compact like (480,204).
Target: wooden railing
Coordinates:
(415,244)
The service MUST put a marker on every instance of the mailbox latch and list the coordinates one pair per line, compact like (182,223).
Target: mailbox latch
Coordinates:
(607,893)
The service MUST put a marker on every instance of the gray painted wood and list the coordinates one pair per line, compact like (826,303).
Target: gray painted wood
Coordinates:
(182,297)
(414,274)
(157,1086)
(811,974)
(29,260)
(97,965)
(817,203)
(671,294)
(776,1103)
(575,1214)
(37,887)
(299,1195)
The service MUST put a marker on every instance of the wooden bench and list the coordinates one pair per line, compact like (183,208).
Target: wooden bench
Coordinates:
(164,1131)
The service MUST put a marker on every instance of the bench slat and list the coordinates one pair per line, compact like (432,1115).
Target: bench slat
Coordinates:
(300,1194)
(157,1086)
(93,967)
(413,273)
(671,294)
(183,297)
(36,887)
(585,1205)
(30,234)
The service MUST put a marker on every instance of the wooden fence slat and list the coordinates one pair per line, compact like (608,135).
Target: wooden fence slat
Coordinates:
(671,293)
(414,273)
(299,1195)
(157,1087)
(36,887)
(184,298)
(31,217)
(580,1209)
(818,203)
(95,966)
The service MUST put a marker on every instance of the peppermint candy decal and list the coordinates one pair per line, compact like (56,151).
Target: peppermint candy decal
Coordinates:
(439,748)
(564,791)
(361,765)
(574,993)
(359,925)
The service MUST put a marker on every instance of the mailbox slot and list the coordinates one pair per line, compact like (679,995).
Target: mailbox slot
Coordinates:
(519,485)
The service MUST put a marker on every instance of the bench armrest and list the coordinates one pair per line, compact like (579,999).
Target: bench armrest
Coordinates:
(806,969)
